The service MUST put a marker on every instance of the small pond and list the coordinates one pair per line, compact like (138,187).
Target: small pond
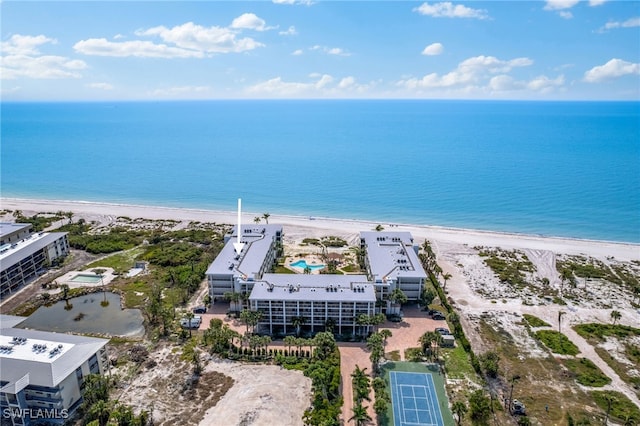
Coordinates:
(92,313)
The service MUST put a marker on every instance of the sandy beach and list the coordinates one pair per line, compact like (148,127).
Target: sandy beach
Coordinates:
(296,226)
(473,287)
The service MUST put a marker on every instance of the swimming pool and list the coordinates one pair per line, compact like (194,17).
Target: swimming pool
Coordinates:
(87,278)
(303,264)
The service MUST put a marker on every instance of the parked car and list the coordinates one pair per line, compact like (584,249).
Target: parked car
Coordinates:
(394,318)
(443,331)
(191,323)
(438,315)
(200,310)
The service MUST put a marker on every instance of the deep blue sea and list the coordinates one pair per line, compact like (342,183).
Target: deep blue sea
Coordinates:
(552,168)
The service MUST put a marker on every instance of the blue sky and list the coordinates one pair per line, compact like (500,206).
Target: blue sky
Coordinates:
(147,50)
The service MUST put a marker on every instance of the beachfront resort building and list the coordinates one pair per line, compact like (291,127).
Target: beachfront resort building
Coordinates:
(233,272)
(392,262)
(24,255)
(319,302)
(42,373)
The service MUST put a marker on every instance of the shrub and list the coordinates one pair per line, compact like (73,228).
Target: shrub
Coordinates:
(557,342)
(587,373)
(534,321)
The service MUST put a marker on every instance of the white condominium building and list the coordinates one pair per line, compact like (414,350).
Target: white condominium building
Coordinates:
(41,373)
(318,302)
(392,262)
(25,255)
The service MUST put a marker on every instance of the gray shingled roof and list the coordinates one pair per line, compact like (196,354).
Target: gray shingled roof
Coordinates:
(391,255)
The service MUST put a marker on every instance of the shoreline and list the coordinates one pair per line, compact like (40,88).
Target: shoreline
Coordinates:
(471,237)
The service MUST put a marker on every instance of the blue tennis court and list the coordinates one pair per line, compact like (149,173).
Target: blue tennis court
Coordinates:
(414,399)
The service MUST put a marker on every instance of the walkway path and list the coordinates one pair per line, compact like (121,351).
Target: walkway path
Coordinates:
(470,302)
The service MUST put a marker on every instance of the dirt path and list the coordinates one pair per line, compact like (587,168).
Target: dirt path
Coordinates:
(469,302)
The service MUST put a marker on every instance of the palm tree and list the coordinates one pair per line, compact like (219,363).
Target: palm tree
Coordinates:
(266,217)
(610,400)
(560,314)
(257,219)
(385,333)
(615,316)
(565,275)
(361,382)
(101,411)
(189,318)
(65,291)
(445,277)
(234,297)
(298,322)
(360,415)
(398,296)
(459,409)
(289,341)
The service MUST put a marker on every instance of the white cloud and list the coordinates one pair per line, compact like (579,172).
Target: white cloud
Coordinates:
(330,50)
(470,71)
(449,10)
(506,83)
(103,86)
(613,69)
(321,85)
(503,83)
(560,4)
(433,49)
(184,92)
(565,14)
(544,84)
(303,2)
(22,58)
(24,44)
(203,39)
(596,2)
(118,37)
(290,31)
(297,52)
(346,82)
(138,48)
(250,21)
(181,41)
(629,23)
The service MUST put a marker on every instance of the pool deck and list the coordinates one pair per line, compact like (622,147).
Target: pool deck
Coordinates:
(107,277)
(311,260)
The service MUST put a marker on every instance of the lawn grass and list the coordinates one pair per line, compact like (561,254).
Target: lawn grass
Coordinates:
(543,381)
(534,321)
(457,364)
(557,342)
(121,262)
(622,408)
(351,268)
(621,369)
(393,356)
(132,290)
(598,332)
(281,269)
(586,372)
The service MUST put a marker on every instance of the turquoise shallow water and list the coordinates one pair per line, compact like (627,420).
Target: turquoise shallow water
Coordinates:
(551,168)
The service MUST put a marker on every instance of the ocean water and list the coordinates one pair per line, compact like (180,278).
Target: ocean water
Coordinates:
(567,169)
